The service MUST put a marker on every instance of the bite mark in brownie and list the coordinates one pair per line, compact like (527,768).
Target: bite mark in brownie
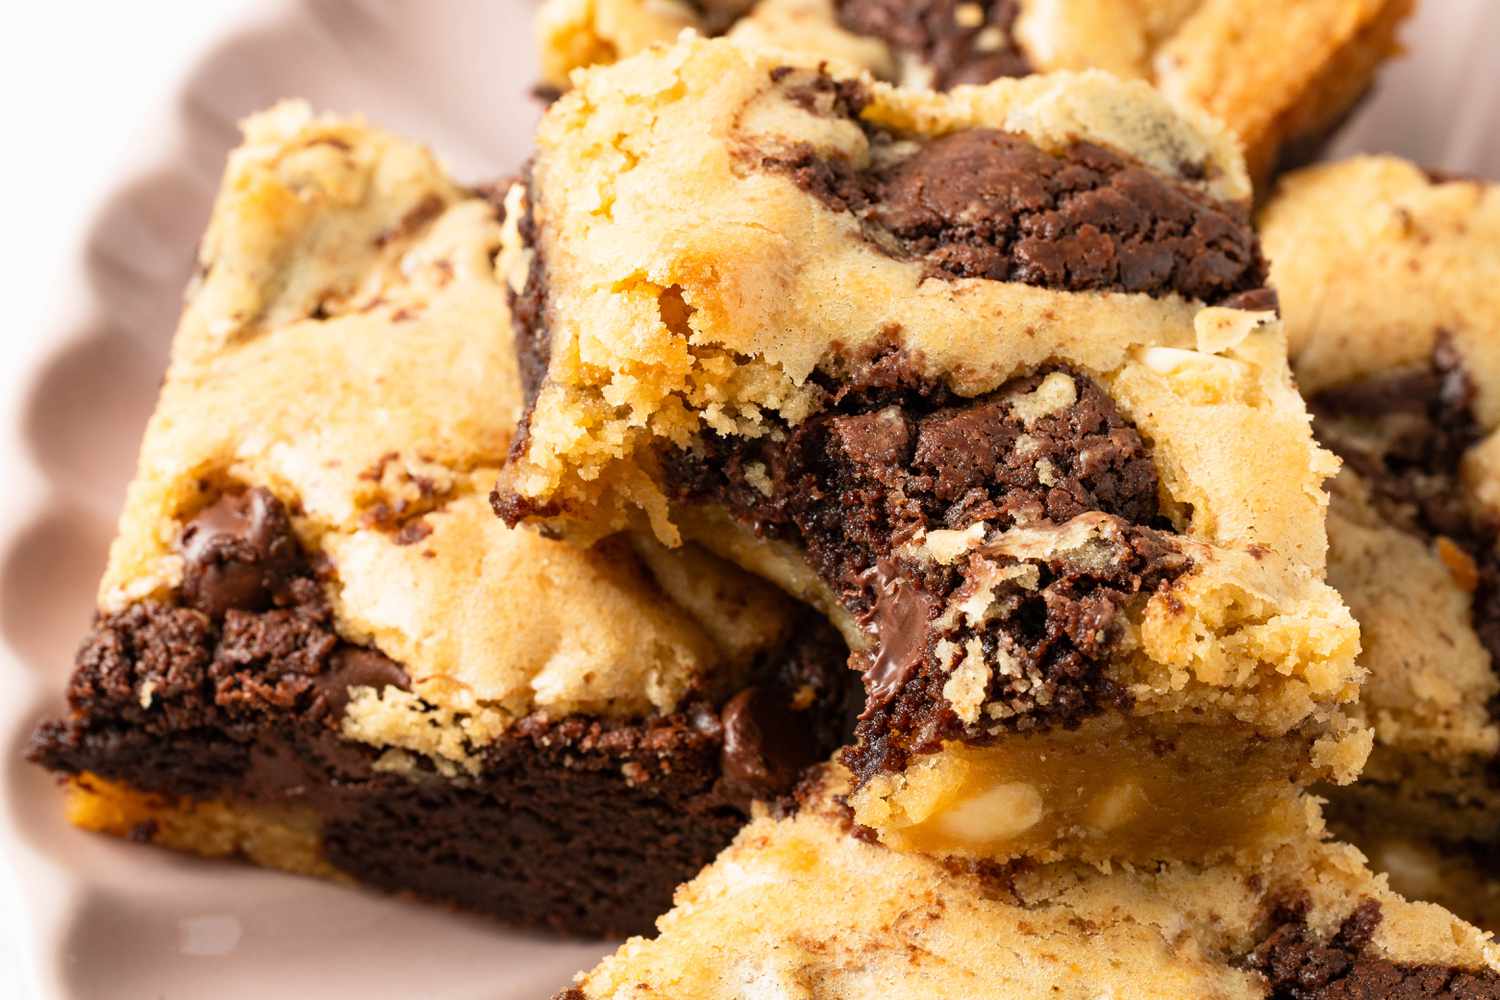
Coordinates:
(579,823)
(1298,966)
(895,458)
(959,41)
(983,203)
(1406,435)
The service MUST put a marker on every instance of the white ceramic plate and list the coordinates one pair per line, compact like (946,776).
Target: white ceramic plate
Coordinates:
(107,919)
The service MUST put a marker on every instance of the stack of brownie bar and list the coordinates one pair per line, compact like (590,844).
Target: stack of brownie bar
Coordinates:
(856,480)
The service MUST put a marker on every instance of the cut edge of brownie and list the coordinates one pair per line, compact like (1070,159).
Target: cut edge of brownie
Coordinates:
(895,457)
(235,689)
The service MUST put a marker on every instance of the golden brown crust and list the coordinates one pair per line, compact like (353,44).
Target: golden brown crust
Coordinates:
(287,838)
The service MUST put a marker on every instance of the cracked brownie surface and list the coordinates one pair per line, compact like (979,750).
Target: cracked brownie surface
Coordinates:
(316,647)
(991,379)
(1308,922)
(1281,75)
(1388,277)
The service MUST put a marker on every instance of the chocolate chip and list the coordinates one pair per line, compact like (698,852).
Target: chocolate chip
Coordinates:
(766,743)
(357,666)
(717,16)
(898,618)
(238,553)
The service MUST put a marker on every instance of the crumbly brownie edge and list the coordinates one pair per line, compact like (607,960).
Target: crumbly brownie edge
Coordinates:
(528,308)
(894,455)
(580,824)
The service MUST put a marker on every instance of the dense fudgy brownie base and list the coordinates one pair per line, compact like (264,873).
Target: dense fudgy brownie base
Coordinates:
(982,203)
(894,455)
(958,41)
(1405,435)
(580,824)
(1298,966)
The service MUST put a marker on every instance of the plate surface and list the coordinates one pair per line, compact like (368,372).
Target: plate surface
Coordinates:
(107,919)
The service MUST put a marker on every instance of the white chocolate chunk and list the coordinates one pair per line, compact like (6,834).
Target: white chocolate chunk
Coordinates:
(1056,392)
(1005,810)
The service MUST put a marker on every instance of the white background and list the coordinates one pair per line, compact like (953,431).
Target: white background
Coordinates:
(77,79)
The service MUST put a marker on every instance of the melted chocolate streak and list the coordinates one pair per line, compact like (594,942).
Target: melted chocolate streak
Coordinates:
(898,616)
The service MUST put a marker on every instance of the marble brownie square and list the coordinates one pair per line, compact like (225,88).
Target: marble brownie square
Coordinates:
(1280,74)
(990,377)
(800,908)
(1390,278)
(316,648)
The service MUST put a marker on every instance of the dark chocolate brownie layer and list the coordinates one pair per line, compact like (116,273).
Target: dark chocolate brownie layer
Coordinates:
(1298,966)
(982,203)
(894,456)
(957,48)
(581,824)
(1406,435)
